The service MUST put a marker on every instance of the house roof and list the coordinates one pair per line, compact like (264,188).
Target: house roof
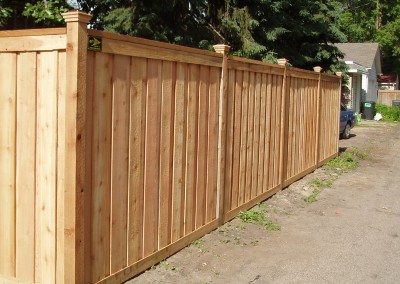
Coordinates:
(365,54)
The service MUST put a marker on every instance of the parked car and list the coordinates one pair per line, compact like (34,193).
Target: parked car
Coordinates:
(347,121)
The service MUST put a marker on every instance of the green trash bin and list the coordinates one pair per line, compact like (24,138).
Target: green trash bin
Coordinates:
(368,110)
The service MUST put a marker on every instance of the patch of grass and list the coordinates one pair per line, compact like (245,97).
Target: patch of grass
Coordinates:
(313,196)
(164,263)
(251,216)
(258,217)
(271,226)
(389,113)
(346,161)
(198,243)
(358,153)
(321,184)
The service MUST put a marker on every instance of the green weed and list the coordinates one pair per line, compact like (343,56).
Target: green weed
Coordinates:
(164,263)
(258,217)
(198,243)
(313,196)
(346,161)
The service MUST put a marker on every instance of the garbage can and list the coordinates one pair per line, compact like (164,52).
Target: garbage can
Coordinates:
(368,110)
(396,103)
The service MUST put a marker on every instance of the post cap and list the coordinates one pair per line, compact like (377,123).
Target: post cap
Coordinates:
(283,61)
(76,16)
(221,48)
(339,74)
(318,69)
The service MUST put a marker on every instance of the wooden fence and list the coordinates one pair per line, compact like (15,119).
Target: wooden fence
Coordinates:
(386,97)
(111,160)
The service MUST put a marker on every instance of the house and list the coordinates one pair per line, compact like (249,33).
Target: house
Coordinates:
(364,63)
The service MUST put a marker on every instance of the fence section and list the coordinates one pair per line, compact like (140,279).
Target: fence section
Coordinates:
(386,97)
(32,113)
(154,153)
(125,155)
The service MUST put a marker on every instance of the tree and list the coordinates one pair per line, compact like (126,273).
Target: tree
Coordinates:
(32,14)
(375,21)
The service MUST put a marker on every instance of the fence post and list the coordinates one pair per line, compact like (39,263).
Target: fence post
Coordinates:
(339,74)
(318,127)
(75,110)
(284,125)
(222,115)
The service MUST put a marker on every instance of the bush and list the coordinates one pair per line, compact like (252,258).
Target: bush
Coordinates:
(389,113)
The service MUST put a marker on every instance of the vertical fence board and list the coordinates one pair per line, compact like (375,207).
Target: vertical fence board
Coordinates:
(229,140)
(267,150)
(261,154)
(61,132)
(237,140)
(26,163)
(178,175)
(250,137)
(278,113)
(8,65)
(166,152)
(243,139)
(152,150)
(202,147)
(119,162)
(138,90)
(191,149)
(46,166)
(87,211)
(101,167)
(211,195)
(254,188)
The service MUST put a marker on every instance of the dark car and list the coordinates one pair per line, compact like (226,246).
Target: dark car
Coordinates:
(347,121)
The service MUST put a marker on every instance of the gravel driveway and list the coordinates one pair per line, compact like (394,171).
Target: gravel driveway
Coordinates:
(350,234)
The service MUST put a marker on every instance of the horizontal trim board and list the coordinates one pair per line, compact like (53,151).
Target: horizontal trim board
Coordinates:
(33,32)
(147,51)
(33,43)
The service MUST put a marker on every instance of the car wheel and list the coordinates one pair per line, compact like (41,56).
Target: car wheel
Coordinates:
(346,132)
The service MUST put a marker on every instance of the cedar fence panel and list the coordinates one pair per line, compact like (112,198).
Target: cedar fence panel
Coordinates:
(386,97)
(112,160)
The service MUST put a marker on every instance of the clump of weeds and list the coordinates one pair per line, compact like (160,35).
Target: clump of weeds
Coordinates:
(318,186)
(258,217)
(167,266)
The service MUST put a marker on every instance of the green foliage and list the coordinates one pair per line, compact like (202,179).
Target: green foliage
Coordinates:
(313,196)
(374,21)
(48,12)
(389,113)
(32,14)
(258,217)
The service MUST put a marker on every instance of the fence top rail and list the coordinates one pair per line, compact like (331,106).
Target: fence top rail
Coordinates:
(252,61)
(33,32)
(142,41)
(389,91)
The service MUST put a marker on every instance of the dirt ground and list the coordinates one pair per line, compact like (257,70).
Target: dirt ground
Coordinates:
(349,235)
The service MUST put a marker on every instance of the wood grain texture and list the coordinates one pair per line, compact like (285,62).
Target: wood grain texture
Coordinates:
(212,145)
(178,189)
(191,148)
(166,153)
(33,43)
(8,103)
(119,161)
(138,89)
(152,151)
(46,143)
(101,167)
(26,164)
(201,182)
